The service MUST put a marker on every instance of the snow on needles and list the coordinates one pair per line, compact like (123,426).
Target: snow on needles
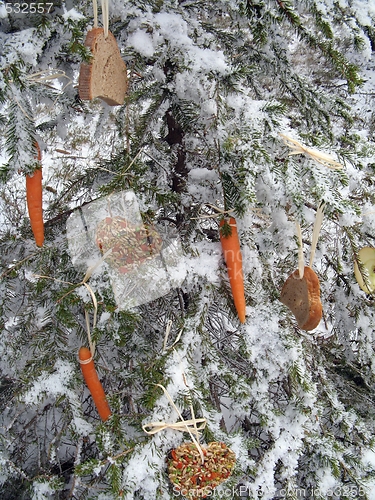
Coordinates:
(57,384)
(171,29)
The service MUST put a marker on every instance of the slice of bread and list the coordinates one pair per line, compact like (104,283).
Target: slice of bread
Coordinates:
(302,296)
(105,77)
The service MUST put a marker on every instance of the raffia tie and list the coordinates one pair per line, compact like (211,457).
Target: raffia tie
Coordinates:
(218,212)
(314,242)
(87,276)
(166,336)
(323,158)
(192,426)
(105,15)
(183,426)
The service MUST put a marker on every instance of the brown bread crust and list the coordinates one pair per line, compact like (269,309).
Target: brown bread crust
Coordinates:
(105,77)
(302,296)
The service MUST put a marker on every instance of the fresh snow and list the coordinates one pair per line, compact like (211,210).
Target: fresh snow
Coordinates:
(270,346)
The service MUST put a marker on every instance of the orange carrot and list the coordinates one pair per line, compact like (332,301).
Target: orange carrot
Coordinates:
(34,202)
(93,383)
(233,259)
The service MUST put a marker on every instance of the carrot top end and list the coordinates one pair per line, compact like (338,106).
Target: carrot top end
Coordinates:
(225,228)
(84,353)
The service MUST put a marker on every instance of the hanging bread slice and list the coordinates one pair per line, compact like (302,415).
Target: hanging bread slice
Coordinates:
(302,296)
(105,76)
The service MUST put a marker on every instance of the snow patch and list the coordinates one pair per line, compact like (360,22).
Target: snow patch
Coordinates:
(54,384)
(72,14)
(142,42)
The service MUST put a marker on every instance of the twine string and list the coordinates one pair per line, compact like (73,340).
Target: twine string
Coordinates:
(43,77)
(88,330)
(185,425)
(167,332)
(85,361)
(366,214)
(301,261)
(95,9)
(314,242)
(92,268)
(166,336)
(105,15)
(24,112)
(87,276)
(48,75)
(155,427)
(193,417)
(218,212)
(320,157)
(316,231)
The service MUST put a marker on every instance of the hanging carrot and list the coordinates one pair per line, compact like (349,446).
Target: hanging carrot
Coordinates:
(93,383)
(34,201)
(233,259)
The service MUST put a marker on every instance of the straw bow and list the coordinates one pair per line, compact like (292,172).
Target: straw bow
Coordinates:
(191,426)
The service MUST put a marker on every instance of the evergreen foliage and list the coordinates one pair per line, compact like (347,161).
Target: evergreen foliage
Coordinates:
(211,87)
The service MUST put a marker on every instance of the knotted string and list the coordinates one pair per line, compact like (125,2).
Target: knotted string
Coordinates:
(193,425)
(185,425)
(320,157)
(218,211)
(87,276)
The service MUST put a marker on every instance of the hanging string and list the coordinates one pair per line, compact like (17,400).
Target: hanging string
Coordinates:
(15,91)
(185,425)
(166,336)
(95,303)
(301,260)
(315,237)
(87,276)
(317,226)
(218,212)
(105,15)
(190,425)
(91,343)
(95,9)
(193,418)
